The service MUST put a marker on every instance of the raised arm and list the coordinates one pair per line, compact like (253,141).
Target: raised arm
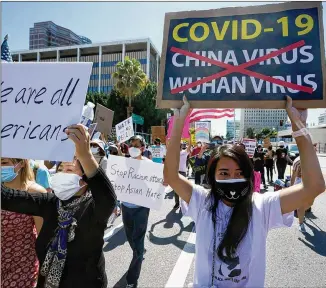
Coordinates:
(181,185)
(34,204)
(313,182)
(99,184)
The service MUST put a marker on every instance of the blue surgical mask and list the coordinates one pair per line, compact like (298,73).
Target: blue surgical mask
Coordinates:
(8,173)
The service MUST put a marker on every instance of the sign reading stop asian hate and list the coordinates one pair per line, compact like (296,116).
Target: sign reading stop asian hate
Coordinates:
(244,57)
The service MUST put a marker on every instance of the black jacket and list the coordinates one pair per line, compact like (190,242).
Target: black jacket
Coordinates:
(85,265)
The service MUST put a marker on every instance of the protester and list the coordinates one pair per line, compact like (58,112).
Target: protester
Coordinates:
(184,152)
(197,149)
(281,159)
(147,153)
(259,163)
(98,151)
(69,246)
(19,263)
(200,165)
(42,175)
(269,163)
(135,219)
(123,147)
(232,223)
(113,150)
(158,146)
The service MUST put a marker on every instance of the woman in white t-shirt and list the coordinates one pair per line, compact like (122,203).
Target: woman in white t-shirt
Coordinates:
(232,222)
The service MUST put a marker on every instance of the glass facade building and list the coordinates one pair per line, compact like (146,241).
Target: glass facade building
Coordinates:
(230,128)
(104,57)
(47,34)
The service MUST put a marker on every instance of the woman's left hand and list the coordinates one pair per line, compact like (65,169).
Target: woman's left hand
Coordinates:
(79,135)
(297,117)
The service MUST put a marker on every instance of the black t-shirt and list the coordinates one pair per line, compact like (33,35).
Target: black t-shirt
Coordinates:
(259,163)
(281,154)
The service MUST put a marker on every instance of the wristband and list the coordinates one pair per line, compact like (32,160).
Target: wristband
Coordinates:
(301,132)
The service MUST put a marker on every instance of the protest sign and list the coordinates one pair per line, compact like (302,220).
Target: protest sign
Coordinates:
(104,119)
(250,146)
(138,182)
(39,100)
(244,57)
(157,151)
(158,132)
(202,131)
(91,130)
(124,130)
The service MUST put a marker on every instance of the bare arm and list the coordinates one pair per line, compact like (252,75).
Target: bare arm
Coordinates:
(313,182)
(178,183)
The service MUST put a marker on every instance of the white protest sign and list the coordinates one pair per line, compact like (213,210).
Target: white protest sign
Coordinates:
(135,181)
(202,132)
(250,146)
(157,152)
(39,100)
(124,130)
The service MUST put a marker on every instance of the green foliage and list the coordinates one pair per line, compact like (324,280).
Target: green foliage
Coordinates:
(130,78)
(250,133)
(144,105)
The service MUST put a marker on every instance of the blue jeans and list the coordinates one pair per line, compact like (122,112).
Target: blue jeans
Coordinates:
(135,223)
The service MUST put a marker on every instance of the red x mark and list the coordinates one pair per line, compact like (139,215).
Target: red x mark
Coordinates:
(241,69)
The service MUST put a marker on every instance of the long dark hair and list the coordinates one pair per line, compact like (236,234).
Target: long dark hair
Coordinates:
(242,212)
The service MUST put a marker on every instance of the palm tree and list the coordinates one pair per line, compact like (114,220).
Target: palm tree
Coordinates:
(250,133)
(130,78)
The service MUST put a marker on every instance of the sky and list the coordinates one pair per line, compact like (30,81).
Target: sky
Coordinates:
(109,21)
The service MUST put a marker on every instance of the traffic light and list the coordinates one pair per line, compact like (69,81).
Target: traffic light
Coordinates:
(281,122)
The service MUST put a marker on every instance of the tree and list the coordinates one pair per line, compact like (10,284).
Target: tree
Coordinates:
(265,132)
(131,79)
(250,133)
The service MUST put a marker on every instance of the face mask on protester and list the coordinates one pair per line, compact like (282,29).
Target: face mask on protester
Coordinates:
(65,185)
(8,173)
(199,145)
(232,190)
(94,150)
(134,152)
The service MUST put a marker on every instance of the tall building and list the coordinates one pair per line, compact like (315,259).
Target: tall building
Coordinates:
(262,118)
(230,129)
(104,56)
(322,119)
(47,34)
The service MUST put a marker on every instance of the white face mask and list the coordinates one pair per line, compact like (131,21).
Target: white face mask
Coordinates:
(134,152)
(94,150)
(65,185)
(198,145)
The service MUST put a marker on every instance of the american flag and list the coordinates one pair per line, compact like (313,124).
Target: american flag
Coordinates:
(5,51)
(200,114)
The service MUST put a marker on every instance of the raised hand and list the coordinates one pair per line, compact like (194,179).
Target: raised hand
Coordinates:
(79,135)
(183,112)
(297,116)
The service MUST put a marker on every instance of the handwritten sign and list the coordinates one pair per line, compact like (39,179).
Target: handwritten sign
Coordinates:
(104,119)
(244,57)
(138,182)
(157,152)
(124,130)
(202,132)
(250,146)
(39,100)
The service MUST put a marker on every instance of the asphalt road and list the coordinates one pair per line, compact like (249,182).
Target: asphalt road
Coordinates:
(294,259)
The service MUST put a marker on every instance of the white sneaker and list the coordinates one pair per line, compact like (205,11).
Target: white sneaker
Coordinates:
(302,228)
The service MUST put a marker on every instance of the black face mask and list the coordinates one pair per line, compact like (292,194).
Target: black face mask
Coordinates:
(232,190)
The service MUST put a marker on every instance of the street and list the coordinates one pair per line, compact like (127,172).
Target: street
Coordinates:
(293,259)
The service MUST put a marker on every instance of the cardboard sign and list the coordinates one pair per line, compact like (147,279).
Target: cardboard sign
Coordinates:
(157,152)
(124,130)
(158,132)
(250,146)
(202,132)
(138,182)
(244,57)
(104,119)
(39,100)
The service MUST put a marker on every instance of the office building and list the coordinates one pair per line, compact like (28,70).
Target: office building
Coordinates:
(47,34)
(104,56)
(322,119)
(262,118)
(230,129)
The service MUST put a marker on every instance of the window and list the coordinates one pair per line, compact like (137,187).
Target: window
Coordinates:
(143,61)
(109,63)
